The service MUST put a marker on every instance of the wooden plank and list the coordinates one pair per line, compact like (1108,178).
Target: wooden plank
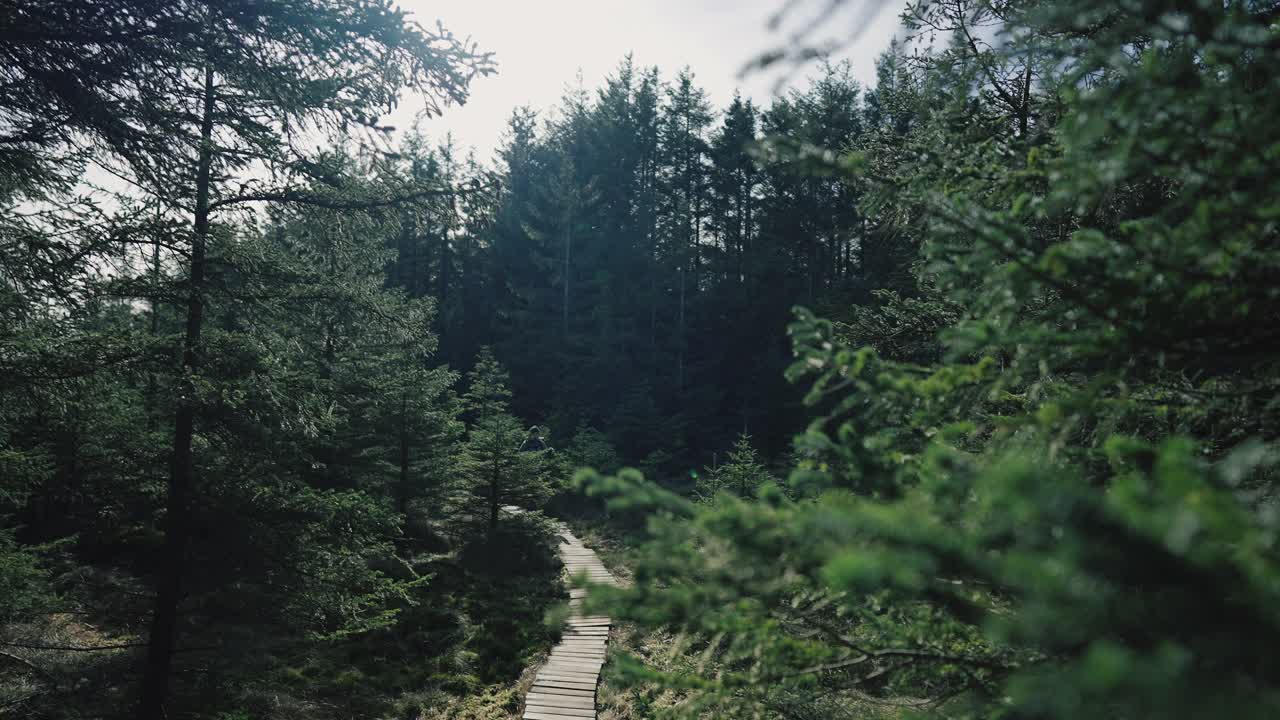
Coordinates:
(577,656)
(574,701)
(570,658)
(579,649)
(567,684)
(587,710)
(586,678)
(575,692)
(570,676)
(565,711)
(589,666)
(561,701)
(539,714)
(576,673)
(553,685)
(575,661)
(578,652)
(542,715)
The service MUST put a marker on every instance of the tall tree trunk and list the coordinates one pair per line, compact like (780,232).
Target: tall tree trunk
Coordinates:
(747,222)
(568,246)
(741,223)
(164,620)
(1024,113)
(653,311)
(153,392)
(494,504)
(696,242)
(403,494)
(445,347)
(680,338)
(811,261)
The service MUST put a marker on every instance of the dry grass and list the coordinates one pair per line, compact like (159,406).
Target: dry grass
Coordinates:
(48,659)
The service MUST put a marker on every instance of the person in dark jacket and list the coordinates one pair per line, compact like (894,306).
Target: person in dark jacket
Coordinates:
(534,442)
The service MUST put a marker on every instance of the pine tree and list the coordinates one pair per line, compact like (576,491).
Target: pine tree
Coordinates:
(742,474)
(686,118)
(498,473)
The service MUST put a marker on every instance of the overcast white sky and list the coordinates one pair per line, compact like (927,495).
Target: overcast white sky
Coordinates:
(540,46)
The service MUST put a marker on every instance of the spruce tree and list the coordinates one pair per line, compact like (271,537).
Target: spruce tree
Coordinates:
(742,473)
(498,473)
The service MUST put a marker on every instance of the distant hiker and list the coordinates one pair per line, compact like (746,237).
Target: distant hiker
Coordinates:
(534,442)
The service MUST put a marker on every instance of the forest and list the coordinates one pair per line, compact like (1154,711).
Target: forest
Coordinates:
(955,395)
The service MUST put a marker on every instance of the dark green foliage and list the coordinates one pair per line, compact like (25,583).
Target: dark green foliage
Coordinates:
(514,579)
(28,590)
(591,448)
(221,413)
(1041,481)
(645,262)
(741,473)
(239,478)
(498,472)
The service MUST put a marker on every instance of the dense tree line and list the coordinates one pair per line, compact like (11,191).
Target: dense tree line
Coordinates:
(636,266)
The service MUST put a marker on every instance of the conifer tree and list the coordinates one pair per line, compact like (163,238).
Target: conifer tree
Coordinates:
(742,474)
(498,472)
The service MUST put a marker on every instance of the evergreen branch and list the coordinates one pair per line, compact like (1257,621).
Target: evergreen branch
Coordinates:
(313,200)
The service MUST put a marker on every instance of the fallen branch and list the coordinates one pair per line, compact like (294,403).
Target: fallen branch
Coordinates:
(23,661)
(73,648)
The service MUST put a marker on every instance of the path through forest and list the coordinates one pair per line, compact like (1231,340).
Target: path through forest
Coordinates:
(565,686)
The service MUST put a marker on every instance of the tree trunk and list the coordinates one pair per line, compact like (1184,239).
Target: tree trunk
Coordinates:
(493,500)
(680,338)
(1024,114)
(164,621)
(568,246)
(404,458)
(153,392)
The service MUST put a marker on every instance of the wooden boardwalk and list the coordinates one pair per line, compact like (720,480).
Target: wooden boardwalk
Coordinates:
(565,687)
